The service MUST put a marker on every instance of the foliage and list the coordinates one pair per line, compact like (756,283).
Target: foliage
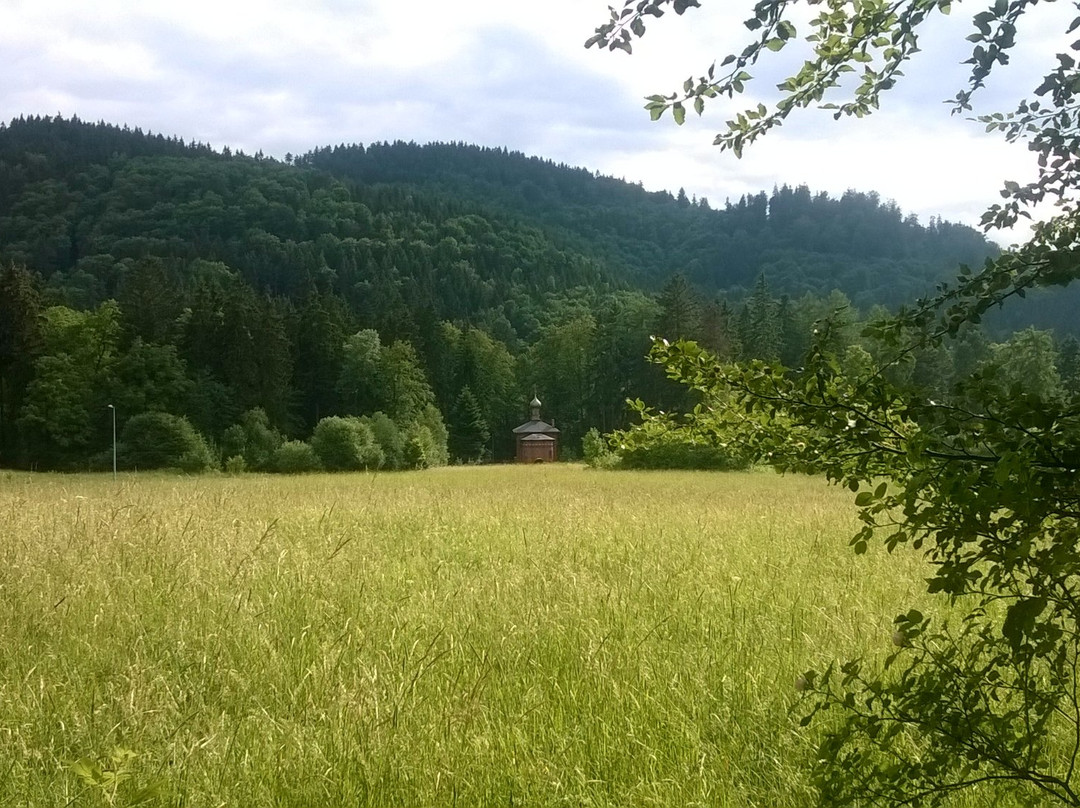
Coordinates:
(361,381)
(234,282)
(157,440)
(406,390)
(664,441)
(20,343)
(558,366)
(346,444)
(116,781)
(229,283)
(804,241)
(253,439)
(388,437)
(979,475)
(151,376)
(470,435)
(235,464)
(1069,364)
(63,415)
(295,457)
(596,452)
(426,440)
(1026,363)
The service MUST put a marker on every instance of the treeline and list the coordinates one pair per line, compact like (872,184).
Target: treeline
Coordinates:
(781,332)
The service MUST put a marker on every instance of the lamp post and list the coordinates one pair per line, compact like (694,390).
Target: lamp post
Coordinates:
(113,410)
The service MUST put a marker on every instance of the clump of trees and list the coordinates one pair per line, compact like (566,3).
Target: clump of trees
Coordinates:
(157,440)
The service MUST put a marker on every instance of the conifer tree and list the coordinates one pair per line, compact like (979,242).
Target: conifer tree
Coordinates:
(469,433)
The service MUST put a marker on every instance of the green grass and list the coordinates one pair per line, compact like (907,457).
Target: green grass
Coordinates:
(533,636)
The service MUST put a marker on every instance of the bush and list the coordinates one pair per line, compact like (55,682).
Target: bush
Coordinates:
(669,452)
(429,432)
(296,457)
(420,448)
(346,444)
(236,465)
(662,441)
(156,440)
(596,452)
(388,437)
(253,439)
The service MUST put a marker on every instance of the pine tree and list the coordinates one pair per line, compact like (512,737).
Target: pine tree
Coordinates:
(762,338)
(680,310)
(469,432)
(718,330)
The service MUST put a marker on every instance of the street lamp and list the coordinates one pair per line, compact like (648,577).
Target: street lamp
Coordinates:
(113,409)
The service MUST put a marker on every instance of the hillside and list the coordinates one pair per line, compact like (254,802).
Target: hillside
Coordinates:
(803,242)
(135,194)
(76,200)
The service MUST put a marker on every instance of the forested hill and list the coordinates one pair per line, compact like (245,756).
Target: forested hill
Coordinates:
(803,242)
(78,200)
(131,197)
(432,289)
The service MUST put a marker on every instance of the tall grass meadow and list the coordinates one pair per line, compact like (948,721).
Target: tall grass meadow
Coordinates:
(514,636)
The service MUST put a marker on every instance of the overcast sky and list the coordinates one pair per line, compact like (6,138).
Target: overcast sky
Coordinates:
(287,77)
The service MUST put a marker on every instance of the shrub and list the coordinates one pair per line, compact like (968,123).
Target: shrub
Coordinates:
(596,452)
(296,457)
(155,440)
(436,452)
(671,453)
(346,444)
(253,439)
(661,441)
(236,465)
(419,447)
(388,437)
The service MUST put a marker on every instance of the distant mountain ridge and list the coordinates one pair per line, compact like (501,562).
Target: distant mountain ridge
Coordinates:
(803,242)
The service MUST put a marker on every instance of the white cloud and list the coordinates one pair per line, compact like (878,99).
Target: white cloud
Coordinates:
(286,77)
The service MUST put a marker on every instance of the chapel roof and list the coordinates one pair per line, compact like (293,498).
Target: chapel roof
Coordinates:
(534,427)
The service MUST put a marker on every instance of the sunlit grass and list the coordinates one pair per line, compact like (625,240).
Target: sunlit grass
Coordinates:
(483,636)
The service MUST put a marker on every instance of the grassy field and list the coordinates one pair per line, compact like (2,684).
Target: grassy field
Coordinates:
(532,636)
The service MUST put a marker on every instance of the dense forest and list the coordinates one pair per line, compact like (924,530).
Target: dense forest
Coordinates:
(803,242)
(405,300)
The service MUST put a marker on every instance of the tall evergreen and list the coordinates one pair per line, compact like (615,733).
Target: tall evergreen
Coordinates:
(761,336)
(469,432)
(680,310)
(20,344)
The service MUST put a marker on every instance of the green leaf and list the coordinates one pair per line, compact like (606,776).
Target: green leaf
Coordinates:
(87,770)
(1020,620)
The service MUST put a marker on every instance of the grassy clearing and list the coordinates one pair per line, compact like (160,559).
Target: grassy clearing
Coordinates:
(533,636)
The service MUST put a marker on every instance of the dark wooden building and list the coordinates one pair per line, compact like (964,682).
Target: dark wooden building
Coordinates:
(537,441)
